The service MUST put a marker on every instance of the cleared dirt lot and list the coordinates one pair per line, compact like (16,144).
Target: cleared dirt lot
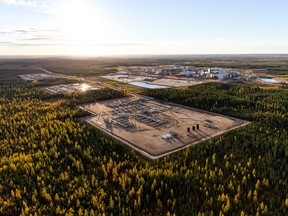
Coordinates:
(69,88)
(38,76)
(155,128)
(159,83)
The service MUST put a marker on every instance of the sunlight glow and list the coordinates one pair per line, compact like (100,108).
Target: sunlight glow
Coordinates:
(81,24)
(85,87)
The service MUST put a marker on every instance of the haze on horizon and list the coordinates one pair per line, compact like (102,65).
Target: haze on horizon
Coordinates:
(112,27)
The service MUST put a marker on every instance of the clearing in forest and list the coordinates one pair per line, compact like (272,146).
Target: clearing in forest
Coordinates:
(157,128)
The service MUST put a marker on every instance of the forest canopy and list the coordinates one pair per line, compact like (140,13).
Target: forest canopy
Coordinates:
(51,163)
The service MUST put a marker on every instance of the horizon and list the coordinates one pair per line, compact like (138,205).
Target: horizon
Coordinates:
(109,28)
(279,55)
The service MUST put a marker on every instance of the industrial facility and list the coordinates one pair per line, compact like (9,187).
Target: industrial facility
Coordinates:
(69,88)
(156,128)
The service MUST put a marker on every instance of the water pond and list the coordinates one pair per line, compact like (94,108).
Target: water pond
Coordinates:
(146,85)
(268,80)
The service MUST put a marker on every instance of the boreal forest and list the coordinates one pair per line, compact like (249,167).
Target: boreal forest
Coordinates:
(51,163)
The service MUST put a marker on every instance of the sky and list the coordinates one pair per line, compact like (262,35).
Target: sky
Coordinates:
(128,27)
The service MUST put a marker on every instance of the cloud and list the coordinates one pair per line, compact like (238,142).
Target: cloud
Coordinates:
(123,44)
(39,6)
(28,31)
(37,39)
(31,36)
(5,43)
(53,37)
(28,3)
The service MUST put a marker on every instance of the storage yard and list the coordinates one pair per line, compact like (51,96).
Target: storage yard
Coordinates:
(69,88)
(155,128)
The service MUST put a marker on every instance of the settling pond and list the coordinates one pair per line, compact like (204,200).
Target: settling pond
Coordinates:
(146,85)
(268,80)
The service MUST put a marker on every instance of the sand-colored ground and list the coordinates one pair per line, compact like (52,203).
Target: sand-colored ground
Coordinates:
(154,81)
(69,88)
(147,126)
(176,82)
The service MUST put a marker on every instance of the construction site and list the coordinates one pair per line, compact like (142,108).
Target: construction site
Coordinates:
(156,128)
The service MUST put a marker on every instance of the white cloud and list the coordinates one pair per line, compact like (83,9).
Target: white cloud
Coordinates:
(29,3)
(54,39)
(31,36)
(39,6)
